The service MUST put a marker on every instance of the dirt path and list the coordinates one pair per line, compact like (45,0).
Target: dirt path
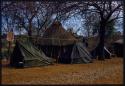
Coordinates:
(99,72)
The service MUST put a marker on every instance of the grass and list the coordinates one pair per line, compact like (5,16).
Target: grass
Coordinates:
(109,71)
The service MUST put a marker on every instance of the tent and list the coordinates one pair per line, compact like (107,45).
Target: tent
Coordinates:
(80,54)
(95,51)
(58,43)
(118,47)
(26,55)
(56,35)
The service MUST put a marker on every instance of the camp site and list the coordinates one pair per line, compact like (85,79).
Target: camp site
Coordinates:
(61,42)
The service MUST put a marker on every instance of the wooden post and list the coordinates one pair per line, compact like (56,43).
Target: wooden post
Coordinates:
(10,38)
(9,49)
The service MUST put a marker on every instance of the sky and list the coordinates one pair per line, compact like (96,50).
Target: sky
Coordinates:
(75,23)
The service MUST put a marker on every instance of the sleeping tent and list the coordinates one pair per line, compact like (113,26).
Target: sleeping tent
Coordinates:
(26,55)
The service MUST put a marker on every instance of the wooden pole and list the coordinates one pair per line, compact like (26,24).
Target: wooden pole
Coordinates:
(9,49)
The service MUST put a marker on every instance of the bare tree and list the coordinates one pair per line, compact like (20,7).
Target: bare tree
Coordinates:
(108,11)
(89,20)
(7,19)
(22,15)
(44,17)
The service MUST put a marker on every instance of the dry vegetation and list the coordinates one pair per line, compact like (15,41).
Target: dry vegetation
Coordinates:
(109,71)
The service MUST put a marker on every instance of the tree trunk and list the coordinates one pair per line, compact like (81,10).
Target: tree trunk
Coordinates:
(29,35)
(38,33)
(101,54)
(30,31)
(0,45)
(0,38)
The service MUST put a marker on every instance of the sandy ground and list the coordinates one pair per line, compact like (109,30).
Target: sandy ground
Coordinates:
(109,71)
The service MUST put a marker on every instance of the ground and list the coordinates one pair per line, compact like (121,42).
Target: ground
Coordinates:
(109,71)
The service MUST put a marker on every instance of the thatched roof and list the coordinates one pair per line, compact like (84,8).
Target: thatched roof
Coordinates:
(57,35)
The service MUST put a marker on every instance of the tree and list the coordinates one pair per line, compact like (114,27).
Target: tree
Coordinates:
(4,6)
(89,23)
(43,19)
(25,14)
(108,11)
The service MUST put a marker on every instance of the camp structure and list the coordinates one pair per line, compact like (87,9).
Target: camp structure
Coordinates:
(57,43)
(27,55)
(80,54)
(118,47)
(107,53)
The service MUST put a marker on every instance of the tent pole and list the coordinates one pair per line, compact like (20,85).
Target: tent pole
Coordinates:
(52,51)
(9,49)
(59,52)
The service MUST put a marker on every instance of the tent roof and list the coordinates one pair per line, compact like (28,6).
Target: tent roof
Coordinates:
(57,35)
(120,41)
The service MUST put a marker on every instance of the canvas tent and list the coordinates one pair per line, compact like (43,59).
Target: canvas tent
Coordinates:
(118,47)
(56,35)
(27,55)
(107,53)
(80,54)
(58,43)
